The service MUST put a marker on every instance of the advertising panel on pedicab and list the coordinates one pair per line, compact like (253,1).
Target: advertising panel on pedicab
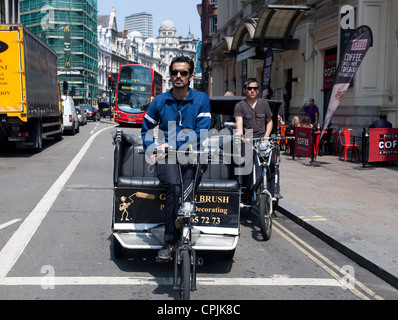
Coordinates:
(303,141)
(144,206)
(216,209)
(138,205)
(383,144)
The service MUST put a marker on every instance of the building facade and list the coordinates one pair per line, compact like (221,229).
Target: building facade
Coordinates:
(141,22)
(307,39)
(172,45)
(113,51)
(208,15)
(70,28)
(9,11)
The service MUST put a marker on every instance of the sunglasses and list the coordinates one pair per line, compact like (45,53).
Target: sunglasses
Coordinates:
(252,88)
(183,73)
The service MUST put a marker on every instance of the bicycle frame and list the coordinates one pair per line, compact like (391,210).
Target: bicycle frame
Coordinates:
(186,211)
(263,158)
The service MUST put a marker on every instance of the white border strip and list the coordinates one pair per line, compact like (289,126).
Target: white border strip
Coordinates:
(116,281)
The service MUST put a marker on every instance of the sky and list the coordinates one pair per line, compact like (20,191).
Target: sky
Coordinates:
(183,13)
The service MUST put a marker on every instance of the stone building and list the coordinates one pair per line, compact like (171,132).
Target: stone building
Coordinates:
(172,45)
(307,38)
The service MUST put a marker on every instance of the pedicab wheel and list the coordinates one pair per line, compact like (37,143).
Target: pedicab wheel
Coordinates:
(185,280)
(265,218)
(117,248)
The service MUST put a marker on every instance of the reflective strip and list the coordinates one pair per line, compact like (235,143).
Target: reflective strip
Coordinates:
(150,119)
(11,108)
(205,114)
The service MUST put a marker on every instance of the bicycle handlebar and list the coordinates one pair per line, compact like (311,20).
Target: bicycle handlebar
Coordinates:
(209,153)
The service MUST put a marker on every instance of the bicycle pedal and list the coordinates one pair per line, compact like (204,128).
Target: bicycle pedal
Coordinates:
(164,260)
(242,205)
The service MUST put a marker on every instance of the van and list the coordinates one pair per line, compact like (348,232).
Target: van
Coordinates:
(71,122)
(104,109)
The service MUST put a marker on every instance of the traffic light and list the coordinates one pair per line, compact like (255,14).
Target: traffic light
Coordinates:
(113,86)
(65,87)
(109,81)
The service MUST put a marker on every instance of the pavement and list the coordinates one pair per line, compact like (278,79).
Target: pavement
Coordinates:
(351,207)
(354,208)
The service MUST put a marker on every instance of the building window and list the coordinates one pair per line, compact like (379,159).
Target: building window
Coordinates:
(213,2)
(213,25)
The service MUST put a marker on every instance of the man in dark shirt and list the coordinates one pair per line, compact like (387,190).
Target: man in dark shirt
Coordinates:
(254,114)
(311,110)
(381,123)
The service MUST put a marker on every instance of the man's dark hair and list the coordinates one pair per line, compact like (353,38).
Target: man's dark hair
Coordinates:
(249,81)
(183,59)
(383,116)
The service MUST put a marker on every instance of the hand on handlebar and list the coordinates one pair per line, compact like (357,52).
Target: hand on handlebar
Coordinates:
(161,152)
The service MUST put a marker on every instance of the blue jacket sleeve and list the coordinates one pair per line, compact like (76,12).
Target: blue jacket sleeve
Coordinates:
(150,121)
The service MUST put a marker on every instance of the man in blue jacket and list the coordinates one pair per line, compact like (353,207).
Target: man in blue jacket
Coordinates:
(183,116)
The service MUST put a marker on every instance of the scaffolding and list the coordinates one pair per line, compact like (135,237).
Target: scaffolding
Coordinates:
(70,28)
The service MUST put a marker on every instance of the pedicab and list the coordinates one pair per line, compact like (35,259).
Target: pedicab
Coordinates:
(210,223)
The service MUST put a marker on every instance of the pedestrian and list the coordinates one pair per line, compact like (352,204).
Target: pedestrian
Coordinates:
(381,122)
(180,113)
(254,114)
(306,122)
(311,110)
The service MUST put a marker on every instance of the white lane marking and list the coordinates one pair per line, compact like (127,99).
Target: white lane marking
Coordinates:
(17,243)
(113,281)
(95,128)
(9,223)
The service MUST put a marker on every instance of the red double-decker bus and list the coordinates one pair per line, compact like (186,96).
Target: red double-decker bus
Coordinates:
(137,85)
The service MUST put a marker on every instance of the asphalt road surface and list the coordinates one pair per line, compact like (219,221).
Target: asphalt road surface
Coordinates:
(55,240)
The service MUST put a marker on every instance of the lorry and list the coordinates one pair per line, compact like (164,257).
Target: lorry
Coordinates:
(30,101)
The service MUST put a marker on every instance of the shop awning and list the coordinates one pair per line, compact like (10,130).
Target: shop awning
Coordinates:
(274,28)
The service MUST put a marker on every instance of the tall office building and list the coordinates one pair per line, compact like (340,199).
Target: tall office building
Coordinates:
(142,22)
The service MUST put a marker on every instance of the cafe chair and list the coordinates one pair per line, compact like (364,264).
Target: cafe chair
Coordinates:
(348,140)
(283,134)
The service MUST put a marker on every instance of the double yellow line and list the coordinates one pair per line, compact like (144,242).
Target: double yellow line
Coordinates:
(342,276)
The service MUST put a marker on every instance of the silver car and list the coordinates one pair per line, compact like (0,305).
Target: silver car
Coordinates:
(81,116)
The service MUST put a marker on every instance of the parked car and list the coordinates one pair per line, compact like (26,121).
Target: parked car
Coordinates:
(81,115)
(91,112)
(71,122)
(104,109)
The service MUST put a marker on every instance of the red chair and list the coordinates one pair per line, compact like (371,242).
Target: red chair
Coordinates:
(348,140)
(283,134)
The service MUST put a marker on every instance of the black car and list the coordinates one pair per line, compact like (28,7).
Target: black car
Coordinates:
(91,112)
(104,109)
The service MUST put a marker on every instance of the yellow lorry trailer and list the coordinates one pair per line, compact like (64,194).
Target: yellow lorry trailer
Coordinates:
(29,91)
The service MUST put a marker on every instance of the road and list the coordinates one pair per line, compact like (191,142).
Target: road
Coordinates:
(55,240)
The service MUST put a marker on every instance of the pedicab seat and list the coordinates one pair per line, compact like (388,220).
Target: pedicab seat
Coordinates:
(131,170)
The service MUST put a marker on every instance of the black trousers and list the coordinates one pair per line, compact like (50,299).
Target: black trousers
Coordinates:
(169,177)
